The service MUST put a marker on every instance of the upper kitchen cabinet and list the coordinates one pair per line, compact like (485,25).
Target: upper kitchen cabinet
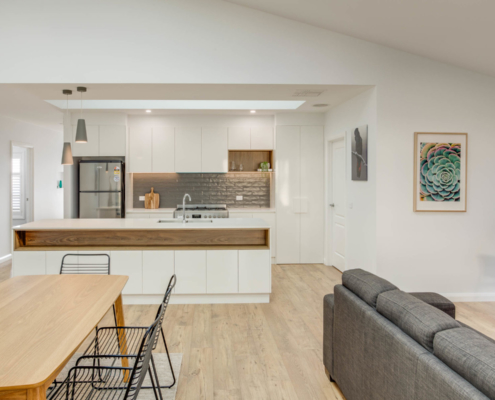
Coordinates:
(214,150)
(188,149)
(112,140)
(140,149)
(163,149)
(262,138)
(239,138)
(91,148)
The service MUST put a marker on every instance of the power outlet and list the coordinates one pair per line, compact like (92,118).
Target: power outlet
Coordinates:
(238,197)
(141,198)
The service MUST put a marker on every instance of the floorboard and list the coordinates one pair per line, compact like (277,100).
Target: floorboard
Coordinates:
(262,351)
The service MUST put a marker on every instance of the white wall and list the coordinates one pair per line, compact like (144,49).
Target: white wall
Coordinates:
(48,200)
(201,120)
(361,218)
(205,41)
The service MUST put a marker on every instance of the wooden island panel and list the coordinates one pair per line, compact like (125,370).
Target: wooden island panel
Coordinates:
(133,239)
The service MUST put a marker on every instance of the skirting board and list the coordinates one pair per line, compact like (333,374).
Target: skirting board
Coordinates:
(469,297)
(197,298)
(5,259)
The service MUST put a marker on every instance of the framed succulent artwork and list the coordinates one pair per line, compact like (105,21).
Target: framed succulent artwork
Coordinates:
(440,164)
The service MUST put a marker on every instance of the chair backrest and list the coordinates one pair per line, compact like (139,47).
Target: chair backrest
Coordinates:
(142,362)
(166,299)
(94,264)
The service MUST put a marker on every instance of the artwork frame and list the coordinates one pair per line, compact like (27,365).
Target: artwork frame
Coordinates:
(440,172)
(359,153)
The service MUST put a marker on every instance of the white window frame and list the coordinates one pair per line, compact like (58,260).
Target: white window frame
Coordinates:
(21,213)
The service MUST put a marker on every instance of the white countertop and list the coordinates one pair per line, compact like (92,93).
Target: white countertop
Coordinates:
(142,223)
(171,210)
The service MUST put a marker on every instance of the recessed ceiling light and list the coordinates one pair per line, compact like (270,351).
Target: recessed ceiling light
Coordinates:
(148,111)
(252,111)
(320,105)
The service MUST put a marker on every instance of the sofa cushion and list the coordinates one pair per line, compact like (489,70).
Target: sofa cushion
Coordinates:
(416,318)
(436,300)
(469,354)
(365,285)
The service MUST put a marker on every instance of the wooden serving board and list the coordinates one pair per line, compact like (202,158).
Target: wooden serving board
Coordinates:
(152,200)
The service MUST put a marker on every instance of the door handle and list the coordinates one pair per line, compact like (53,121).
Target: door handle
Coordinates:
(332,205)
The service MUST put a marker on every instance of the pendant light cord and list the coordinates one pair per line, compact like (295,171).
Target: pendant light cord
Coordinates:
(81,104)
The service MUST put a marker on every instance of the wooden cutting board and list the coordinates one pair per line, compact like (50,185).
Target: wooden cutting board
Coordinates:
(151,200)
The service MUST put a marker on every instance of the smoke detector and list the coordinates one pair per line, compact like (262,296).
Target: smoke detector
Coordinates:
(307,93)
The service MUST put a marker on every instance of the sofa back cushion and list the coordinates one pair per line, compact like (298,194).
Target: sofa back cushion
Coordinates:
(365,285)
(416,318)
(469,354)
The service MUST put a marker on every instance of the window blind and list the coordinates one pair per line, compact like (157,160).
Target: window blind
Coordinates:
(18,203)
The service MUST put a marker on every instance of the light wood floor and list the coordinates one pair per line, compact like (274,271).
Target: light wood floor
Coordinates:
(262,351)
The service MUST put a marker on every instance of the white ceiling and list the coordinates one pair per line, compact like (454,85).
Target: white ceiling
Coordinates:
(458,32)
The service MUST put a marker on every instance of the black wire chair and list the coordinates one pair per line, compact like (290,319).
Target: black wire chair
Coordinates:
(106,343)
(114,382)
(87,264)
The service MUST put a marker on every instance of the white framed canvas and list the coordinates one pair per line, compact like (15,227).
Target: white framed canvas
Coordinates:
(440,166)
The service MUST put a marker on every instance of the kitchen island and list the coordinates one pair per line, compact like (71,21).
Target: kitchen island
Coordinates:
(216,261)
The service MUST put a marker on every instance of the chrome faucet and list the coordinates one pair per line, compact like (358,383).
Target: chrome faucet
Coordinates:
(184,207)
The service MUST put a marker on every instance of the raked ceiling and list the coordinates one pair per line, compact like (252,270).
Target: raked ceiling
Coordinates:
(458,32)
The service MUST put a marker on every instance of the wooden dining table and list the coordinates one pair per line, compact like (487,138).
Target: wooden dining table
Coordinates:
(44,319)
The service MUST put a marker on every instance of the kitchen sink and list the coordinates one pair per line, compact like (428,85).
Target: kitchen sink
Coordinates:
(187,221)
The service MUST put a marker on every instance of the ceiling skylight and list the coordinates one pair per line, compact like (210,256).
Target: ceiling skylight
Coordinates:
(180,104)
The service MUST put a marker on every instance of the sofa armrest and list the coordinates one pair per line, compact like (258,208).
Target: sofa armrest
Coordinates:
(328,309)
(436,300)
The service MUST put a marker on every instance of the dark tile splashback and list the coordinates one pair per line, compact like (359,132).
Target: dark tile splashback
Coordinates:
(205,189)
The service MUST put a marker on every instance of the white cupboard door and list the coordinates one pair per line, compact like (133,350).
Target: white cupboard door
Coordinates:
(112,140)
(140,149)
(312,195)
(240,215)
(136,215)
(190,268)
(158,268)
(91,148)
(222,271)
(215,152)
(239,138)
(288,178)
(254,271)
(129,263)
(162,216)
(29,263)
(188,149)
(54,260)
(262,138)
(271,218)
(163,149)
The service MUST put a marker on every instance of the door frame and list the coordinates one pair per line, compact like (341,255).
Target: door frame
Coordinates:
(31,185)
(328,192)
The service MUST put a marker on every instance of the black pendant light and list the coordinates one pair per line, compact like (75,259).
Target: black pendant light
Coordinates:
(67,151)
(81,136)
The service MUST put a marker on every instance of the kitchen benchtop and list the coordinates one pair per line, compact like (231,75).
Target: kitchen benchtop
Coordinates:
(138,223)
(171,210)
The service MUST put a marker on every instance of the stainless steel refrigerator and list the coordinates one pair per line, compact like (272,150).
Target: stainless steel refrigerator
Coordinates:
(101,189)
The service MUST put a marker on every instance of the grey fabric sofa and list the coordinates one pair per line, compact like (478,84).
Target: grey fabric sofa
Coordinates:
(381,343)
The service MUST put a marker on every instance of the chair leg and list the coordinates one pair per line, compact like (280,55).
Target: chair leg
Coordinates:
(153,384)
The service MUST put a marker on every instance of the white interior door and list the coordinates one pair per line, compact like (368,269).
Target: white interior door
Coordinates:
(337,204)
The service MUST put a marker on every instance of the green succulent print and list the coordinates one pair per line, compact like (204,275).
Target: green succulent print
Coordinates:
(440,172)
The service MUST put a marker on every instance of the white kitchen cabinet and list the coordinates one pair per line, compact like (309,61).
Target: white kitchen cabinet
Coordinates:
(162,215)
(54,260)
(188,149)
(300,209)
(240,215)
(29,263)
(158,268)
(140,149)
(190,268)
(239,138)
(214,150)
(129,263)
(163,149)
(136,215)
(222,271)
(112,140)
(271,219)
(254,271)
(262,138)
(91,148)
